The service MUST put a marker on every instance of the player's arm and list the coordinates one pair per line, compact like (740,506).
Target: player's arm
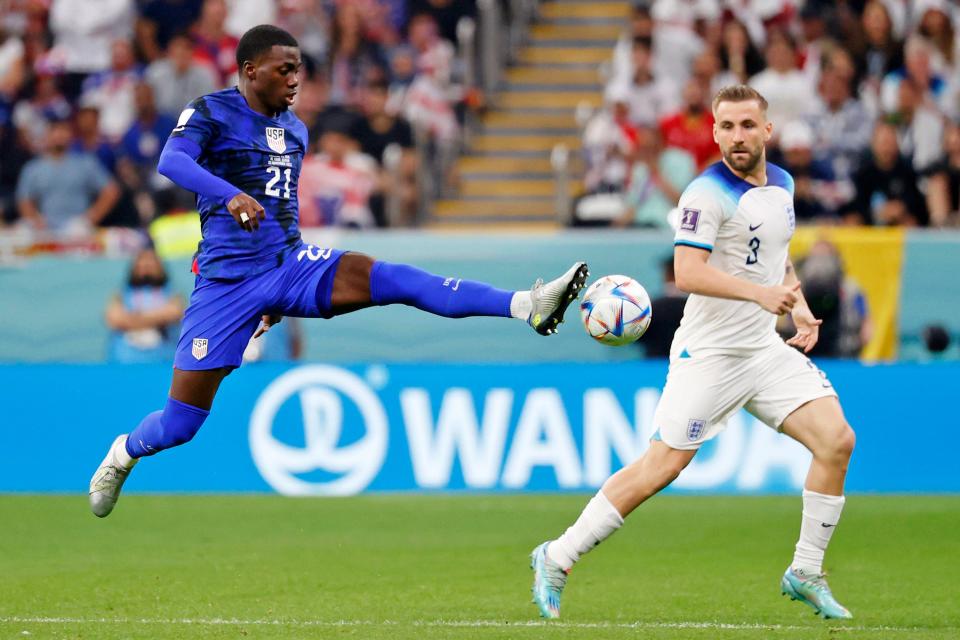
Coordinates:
(178,161)
(695,275)
(808,327)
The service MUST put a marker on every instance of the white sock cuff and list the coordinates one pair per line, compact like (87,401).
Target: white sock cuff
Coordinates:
(822,507)
(521,305)
(606,508)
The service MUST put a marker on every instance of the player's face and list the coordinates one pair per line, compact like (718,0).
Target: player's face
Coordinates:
(275,77)
(741,130)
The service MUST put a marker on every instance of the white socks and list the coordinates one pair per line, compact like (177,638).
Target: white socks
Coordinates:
(121,456)
(596,523)
(821,513)
(521,305)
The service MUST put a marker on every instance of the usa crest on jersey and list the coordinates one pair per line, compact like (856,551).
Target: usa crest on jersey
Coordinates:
(275,139)
(199,348)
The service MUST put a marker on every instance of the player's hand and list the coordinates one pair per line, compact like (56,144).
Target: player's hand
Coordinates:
(808,329)
(246,211)
(779,299)
(266,322)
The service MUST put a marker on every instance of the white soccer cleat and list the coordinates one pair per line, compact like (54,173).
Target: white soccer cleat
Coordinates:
(550,300)
(106,483)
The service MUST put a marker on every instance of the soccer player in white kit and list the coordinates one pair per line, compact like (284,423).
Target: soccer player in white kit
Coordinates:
(731,256)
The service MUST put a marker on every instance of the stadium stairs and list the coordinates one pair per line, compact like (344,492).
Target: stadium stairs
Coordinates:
(505,176)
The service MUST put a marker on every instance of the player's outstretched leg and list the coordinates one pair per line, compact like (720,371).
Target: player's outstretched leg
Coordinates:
(542,307)
(620,495)
(820,426)
(176,424)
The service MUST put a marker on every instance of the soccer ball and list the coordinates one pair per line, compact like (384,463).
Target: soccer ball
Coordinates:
(616,310)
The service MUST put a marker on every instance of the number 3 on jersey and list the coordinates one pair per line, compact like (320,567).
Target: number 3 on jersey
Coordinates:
(271,191)
(754,247)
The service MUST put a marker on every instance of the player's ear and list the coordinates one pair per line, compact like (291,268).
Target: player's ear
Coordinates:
(249,70)
(715,138)
(767,131)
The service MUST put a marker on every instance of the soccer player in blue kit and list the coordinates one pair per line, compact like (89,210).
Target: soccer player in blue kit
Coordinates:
(240,150)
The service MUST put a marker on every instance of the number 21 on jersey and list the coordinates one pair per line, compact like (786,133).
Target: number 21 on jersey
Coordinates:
(272,189)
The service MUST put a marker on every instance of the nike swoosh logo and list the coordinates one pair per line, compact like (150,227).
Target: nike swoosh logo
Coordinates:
(754,228)
(825,525)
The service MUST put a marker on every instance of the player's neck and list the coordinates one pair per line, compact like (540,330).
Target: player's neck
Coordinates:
(253,101)
(757,177)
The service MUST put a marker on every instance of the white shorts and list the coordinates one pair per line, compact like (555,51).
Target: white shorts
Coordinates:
(703,392)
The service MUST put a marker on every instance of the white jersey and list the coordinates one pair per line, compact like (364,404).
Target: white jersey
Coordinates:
(747,230)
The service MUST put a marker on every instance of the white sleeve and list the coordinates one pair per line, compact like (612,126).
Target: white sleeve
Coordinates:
(701,215)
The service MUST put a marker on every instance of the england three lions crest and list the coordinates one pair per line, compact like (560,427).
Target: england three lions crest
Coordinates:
(276,140)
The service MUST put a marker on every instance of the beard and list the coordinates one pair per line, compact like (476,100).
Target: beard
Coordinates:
(747,163)
(153,281)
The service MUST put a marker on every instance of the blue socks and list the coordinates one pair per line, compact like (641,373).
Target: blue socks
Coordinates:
(176,424)
(448,297)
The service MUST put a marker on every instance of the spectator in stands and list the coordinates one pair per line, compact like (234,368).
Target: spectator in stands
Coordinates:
(609,141)
(836,299)
(308,22)
(880,53)
(738,54)
(841,123)
(159,21)
(88,139)
(651,98)
(691,128)
(144,316)
(816,192)
(84,31)
(350,58)
(445,13)
(111,91)
(708,71)
(62,191)
(658,176)
(178,78)
(32,116)
(213,46)
(668,306)
(920,133)
(140,151)
(12,65)
(676,39)
(246,14)
(336,184)
(886,185)
(375,132)
(917,66)
(934,25)
(641,26)
(787,90)
(814,43)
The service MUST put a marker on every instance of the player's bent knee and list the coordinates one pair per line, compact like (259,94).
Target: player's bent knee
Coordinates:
(846,441)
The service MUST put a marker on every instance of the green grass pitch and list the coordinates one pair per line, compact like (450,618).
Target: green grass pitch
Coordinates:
(453,566)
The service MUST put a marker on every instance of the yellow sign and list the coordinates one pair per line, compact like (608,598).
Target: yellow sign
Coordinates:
(873,258)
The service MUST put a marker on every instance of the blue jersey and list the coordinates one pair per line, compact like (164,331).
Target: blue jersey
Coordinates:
(260,156)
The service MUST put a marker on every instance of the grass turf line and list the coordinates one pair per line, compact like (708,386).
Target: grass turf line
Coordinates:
(456,567)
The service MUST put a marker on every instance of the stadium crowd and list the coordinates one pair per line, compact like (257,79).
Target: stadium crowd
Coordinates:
(90,90)
(864,97)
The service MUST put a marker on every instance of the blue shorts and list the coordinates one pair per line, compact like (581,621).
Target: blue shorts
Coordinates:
(224,314)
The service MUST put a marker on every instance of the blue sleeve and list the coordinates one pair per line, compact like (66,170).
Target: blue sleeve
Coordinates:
(178,161)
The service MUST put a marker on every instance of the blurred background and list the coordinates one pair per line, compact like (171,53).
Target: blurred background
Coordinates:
(515,118)
(491,139)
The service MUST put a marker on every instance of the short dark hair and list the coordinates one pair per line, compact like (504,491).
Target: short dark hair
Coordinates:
(260,39)
(739,93)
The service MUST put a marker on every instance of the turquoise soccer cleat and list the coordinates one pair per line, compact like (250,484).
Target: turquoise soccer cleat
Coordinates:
(813,591)
(548,582)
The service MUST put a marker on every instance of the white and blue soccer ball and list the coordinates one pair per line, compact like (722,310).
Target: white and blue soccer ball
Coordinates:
(616,310)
